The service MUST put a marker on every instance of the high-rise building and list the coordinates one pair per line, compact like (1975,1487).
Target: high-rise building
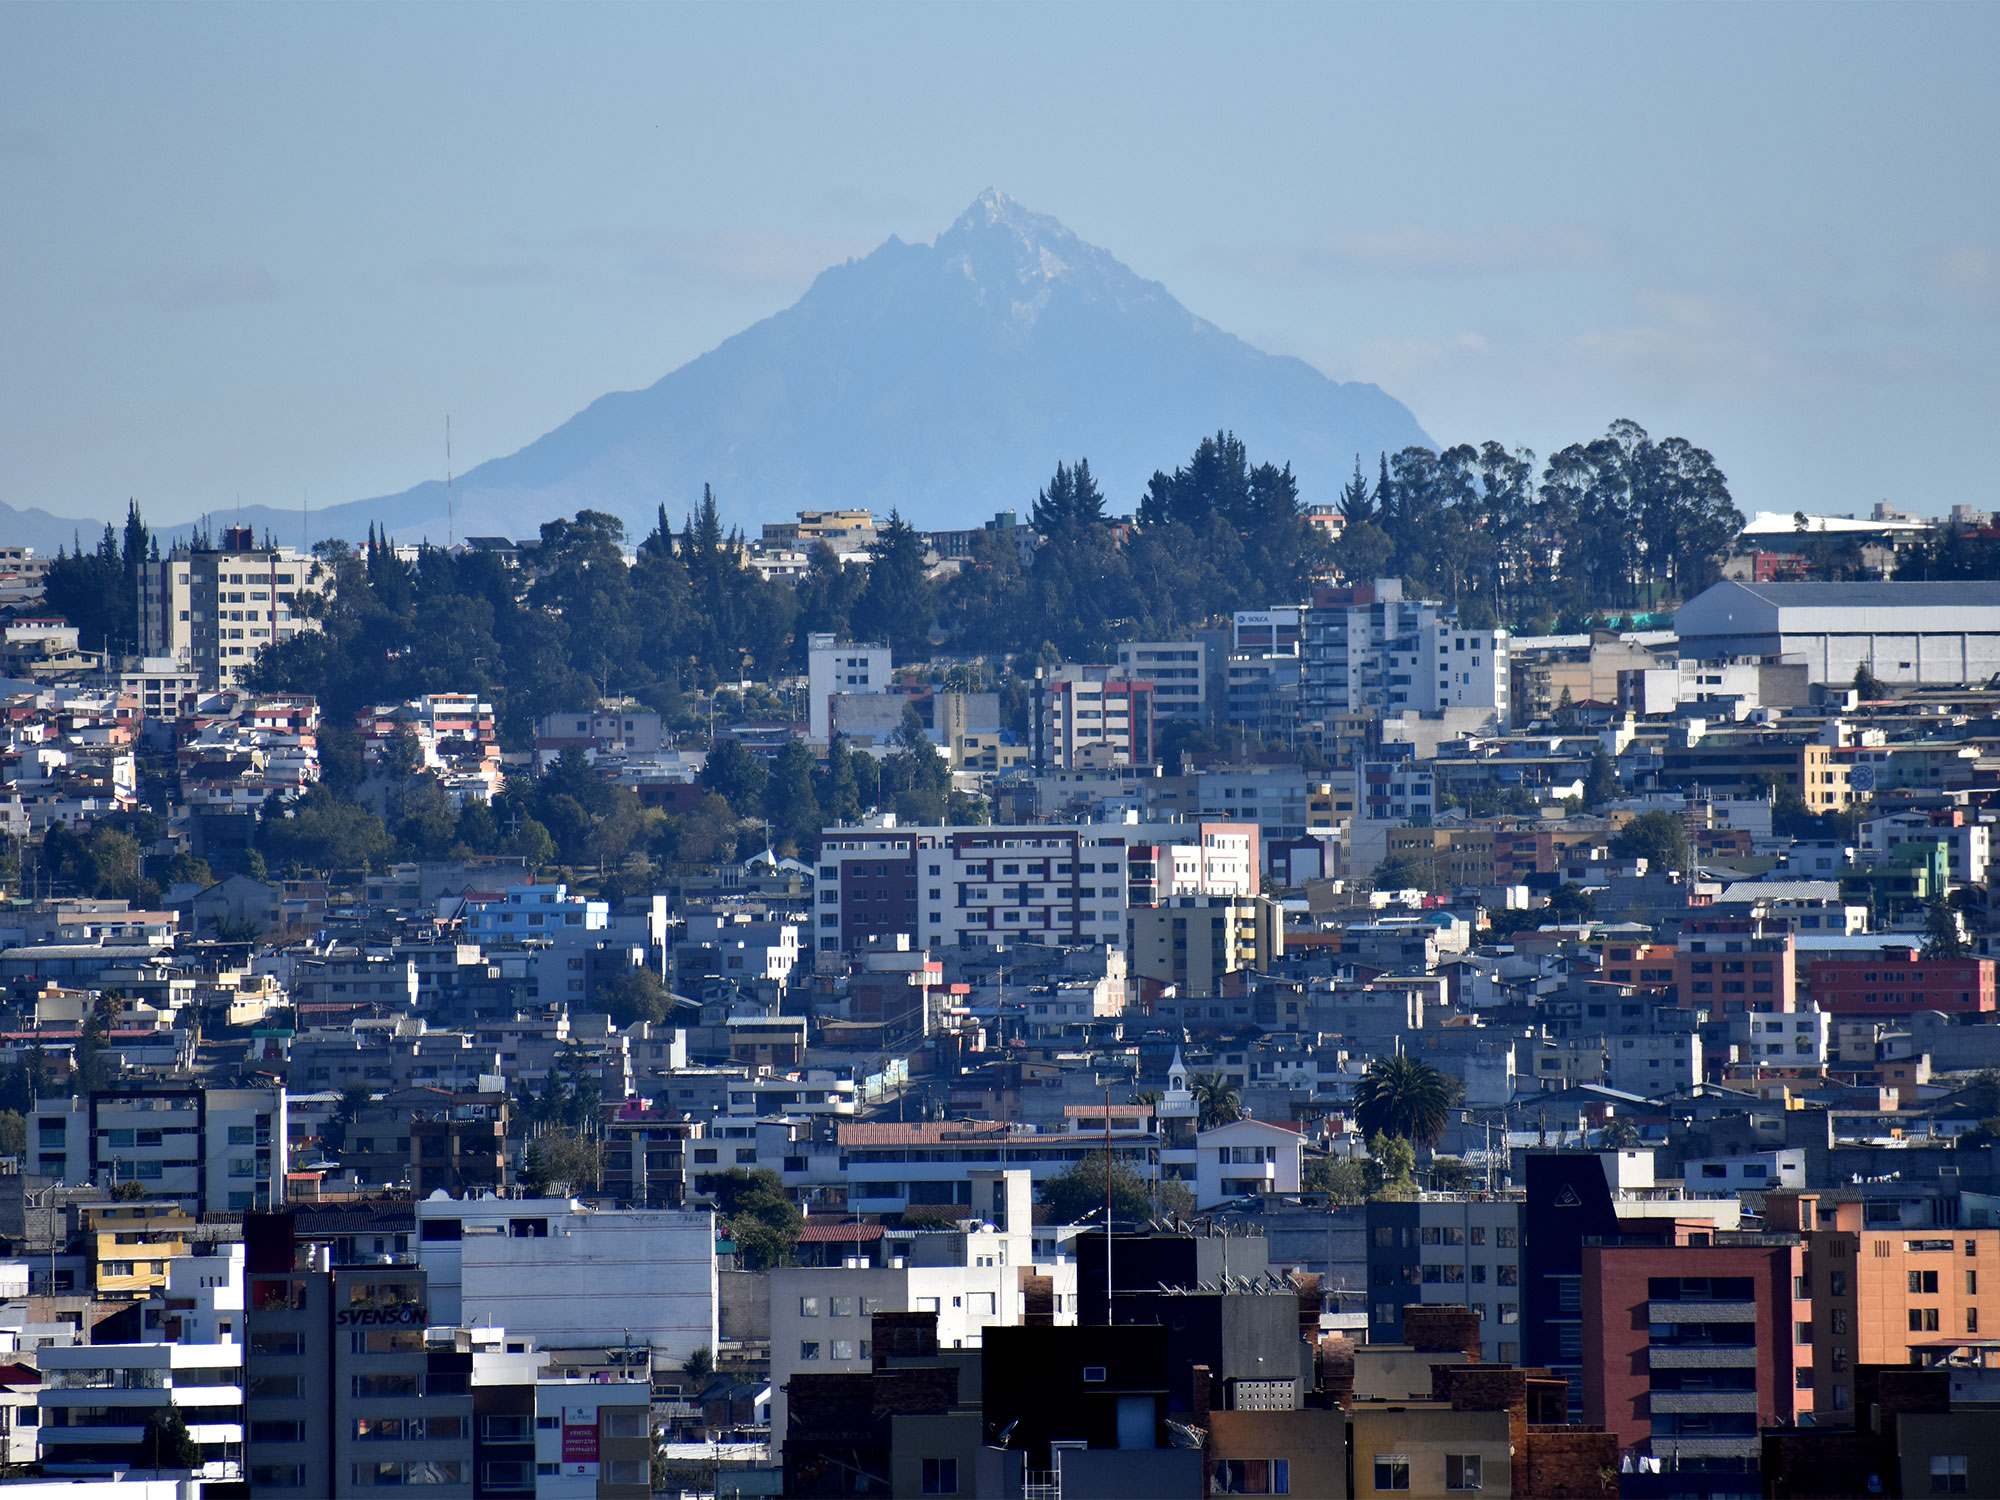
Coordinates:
(834,667)
(215,608)
(1092,717)
(1369,647)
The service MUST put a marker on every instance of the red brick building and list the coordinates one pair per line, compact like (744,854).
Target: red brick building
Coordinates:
(1901,980)
(1736,966)
(1690,1349)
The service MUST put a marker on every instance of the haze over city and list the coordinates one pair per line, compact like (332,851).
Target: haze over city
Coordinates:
(260,253)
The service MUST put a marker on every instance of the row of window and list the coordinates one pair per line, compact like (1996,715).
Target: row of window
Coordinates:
(1392,1236)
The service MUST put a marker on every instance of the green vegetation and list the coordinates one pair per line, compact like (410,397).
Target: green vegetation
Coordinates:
(1400,1096)
(1071,1196)
(756,1214)
(565,1156)
(1660,838)
(1216,1099)
(1627,520)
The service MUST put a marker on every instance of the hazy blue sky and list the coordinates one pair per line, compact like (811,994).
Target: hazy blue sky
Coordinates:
(261,251)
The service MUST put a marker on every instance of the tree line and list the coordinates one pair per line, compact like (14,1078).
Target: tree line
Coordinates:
(1621,521)
(1616,522)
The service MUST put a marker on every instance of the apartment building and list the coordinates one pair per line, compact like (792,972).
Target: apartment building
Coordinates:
(834,666)
(1691,1347)
(1369,647)
(1178,671)
(1023,883)
(563,1275)
(1091,717)
(1743,764)
(1195,943)
(215,608)
(972,1277)
(1884,1292)
(98,1400)
(1899,981)
(1447,1249)
(212,1150)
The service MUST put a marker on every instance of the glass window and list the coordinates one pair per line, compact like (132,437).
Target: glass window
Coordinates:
(1461,1471)
(1392,1471)
(940,1476)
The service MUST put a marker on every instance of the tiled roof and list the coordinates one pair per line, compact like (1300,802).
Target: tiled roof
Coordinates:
(839,1234)
(927,1133)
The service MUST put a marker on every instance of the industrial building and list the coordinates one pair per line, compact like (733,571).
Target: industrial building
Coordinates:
(1904,633)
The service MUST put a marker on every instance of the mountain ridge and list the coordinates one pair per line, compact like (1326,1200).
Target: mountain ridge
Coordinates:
(944,380)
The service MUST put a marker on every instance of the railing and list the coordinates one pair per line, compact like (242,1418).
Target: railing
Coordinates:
(1041,1484)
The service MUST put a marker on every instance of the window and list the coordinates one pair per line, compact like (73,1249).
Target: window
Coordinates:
(1392,1471)
(1250,1476)
(277,1343)
(277,1476)
(808,1307)
(809,1349)
(940,1476)
(625,1422)
(1923,1320)
(507,1474)
(272,1387)
(1924,1283)
(626,1471)
(369,1386)
(277,1432)
(1947,1473)
(843,1348)
(1093,1374)
(1461,1471)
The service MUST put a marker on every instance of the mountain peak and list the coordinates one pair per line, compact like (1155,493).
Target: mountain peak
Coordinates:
(1007,249)
(944,380)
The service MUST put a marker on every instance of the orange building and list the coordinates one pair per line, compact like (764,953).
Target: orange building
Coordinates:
(1880,1292)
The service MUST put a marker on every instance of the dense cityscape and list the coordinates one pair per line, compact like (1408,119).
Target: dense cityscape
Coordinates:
(475,1020)
(1005,751)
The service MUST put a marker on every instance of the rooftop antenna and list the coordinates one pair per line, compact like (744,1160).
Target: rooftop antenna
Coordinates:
(450,527)
(305,522)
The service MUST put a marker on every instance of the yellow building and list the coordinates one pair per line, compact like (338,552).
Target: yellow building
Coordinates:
(1193,942)
(130,1245)
(986,752)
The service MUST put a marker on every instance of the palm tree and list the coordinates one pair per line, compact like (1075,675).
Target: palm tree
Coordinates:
(1216,1100)
(1401,1096)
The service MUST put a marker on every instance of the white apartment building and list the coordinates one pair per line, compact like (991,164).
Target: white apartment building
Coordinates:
(215,1150)
(998,885)
(1369,647)
(165,687)
(216,609)
(567,1276)
(834,666)
(96,1399)
(1178,671)
(593,1439)
(971,1277)
(1092,718)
